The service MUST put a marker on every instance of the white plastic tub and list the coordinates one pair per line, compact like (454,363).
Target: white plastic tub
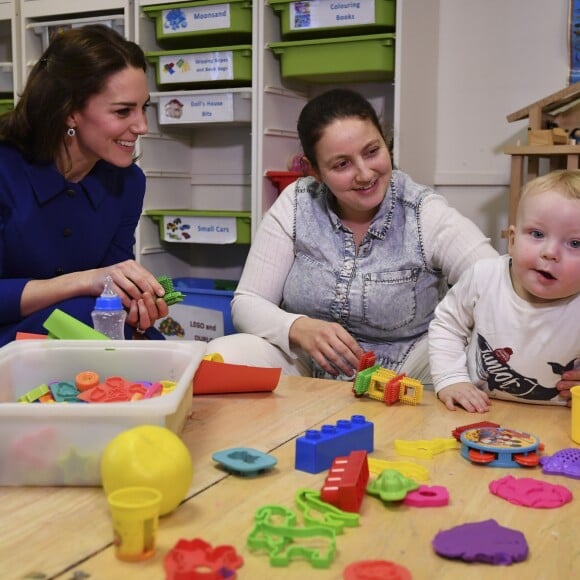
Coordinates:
(61,443)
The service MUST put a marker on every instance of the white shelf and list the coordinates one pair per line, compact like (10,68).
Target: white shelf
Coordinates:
(205,165)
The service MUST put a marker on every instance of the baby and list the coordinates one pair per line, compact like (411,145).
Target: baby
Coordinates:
(510,327)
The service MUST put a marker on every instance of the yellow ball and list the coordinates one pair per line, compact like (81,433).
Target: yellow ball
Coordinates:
(148,456)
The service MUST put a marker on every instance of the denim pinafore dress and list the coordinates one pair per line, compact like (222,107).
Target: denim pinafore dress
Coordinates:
(384,294)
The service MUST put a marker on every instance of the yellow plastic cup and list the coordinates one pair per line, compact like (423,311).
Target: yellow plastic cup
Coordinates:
(135,513)
(575,433)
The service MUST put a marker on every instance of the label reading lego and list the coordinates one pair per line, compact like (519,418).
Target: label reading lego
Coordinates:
(191,323)
(201,108)
(198,67)
(200,230)
(330,13)
(180,20)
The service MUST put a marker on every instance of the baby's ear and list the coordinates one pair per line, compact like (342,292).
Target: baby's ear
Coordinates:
(511,238)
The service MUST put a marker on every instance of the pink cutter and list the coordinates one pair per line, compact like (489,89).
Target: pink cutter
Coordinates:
(427,496)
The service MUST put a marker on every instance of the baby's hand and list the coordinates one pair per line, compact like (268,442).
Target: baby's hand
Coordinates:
(467,395)
(569,380)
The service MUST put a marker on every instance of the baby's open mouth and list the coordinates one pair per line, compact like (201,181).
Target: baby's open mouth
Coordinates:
(546,275)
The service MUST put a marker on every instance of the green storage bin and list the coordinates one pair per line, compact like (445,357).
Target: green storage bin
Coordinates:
(209,22)
(338,60)
(202,226)
(328,18)
(225,66)
(6,105)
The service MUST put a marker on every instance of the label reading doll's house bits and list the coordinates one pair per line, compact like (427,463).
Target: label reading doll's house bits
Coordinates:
(200,230)
(201,108)
(197,67)
(193,19)
(330,13)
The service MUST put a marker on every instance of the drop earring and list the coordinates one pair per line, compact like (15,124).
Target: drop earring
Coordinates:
(71,132)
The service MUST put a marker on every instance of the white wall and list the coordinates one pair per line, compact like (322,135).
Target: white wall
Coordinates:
(495,57)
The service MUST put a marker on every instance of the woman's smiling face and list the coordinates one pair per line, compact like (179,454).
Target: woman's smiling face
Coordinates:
(112,120)
(354,162)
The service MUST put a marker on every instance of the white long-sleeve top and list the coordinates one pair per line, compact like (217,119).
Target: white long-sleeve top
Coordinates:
(485,334)
(452,244)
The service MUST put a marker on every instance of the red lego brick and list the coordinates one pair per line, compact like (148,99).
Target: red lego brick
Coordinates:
(346,482)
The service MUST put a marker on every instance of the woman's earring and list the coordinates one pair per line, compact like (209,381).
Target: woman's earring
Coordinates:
(71,132)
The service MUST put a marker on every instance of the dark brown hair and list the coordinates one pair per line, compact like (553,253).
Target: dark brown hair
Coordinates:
(76,66)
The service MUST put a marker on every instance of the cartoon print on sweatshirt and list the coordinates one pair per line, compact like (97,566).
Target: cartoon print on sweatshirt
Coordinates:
(493,368)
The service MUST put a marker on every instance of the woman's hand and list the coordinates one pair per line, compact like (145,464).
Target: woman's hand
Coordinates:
(569,379)
(467,395)
(139,290)
(328,343)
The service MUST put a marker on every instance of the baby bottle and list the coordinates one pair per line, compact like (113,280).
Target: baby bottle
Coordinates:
(109,315)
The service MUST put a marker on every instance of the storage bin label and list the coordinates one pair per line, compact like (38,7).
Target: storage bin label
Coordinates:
(330,13)
(201,108)
(180,20)
(200,230)
(197,67)
(191,323)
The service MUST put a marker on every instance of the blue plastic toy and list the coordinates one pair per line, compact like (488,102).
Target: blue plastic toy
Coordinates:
(316,450)
(244,461)
(500,447)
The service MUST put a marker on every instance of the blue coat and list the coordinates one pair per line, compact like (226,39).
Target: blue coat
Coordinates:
(49,227)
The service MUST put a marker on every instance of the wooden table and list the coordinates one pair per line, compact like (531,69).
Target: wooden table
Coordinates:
(62,531)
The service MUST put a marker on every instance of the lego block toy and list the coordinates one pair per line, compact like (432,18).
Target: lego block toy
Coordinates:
(346,482)
(316,450)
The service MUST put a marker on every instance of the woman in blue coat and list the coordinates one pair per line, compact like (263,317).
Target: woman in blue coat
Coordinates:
(70,193)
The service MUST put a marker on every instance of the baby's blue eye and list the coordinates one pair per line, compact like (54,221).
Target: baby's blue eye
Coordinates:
(536,234)
(575,243)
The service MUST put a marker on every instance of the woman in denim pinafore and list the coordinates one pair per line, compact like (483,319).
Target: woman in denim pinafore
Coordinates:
(348,260)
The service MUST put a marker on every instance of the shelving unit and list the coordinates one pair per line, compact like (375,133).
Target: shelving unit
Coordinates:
(222,165)
(41,18)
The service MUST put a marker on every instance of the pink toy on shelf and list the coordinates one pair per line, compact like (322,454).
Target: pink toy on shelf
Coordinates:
(345,484)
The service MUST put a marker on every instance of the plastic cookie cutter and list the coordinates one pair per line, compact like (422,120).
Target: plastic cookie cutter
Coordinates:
(407,468)
(78,469)
(64,392)
(284,543)
(244,461)
(34,394)
(374,569)
(196,559)
(391,486)
(425,448)
(428,496)
(564,462)
(319,513)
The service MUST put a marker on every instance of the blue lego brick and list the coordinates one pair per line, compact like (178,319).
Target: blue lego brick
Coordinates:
(316,450)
